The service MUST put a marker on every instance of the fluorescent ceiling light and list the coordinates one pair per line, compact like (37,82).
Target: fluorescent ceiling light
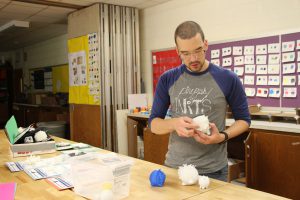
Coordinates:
(14,23)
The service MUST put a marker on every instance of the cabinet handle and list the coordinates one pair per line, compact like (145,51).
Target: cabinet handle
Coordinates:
(248,150)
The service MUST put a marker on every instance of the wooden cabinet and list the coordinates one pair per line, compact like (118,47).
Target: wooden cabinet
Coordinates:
(85,124)
(155,147)
(272,162)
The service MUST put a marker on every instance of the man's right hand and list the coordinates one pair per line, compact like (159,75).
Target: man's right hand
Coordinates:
(184,126)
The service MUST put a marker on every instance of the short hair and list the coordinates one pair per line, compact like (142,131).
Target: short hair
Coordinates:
(187,30)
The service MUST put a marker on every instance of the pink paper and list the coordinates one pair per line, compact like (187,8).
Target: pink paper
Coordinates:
(7,191)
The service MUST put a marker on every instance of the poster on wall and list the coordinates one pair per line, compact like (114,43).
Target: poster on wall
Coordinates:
(77,73)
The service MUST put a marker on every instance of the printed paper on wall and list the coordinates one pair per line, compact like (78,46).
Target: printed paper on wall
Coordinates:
(274,92)
(288,46)
(261,80)
(239,71)
(289,80)
(273,80)
(273,69)
(288,57)
(237,51)
(250,92)
(239,60)
(226,51)
(274,59)
(249,80)
(227,62)
(262,92)
(249,59)
(273,48)
(290,92)
(249,69)
(215,53)
(261,69)
(261,59)
(289,68)
(261,49)
(248,50)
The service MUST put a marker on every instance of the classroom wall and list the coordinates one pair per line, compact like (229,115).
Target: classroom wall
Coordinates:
(51,52)
(220,20)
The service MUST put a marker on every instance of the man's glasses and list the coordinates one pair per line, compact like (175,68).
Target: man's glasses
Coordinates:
(188,54)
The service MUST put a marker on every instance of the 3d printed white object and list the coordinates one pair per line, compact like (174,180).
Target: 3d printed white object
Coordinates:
(40,136)
(203,123)
(203,182)
(188,174)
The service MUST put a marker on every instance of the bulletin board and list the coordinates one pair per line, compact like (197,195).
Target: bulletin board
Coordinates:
(268,67)
(60,78)
(163,60)
(84,70)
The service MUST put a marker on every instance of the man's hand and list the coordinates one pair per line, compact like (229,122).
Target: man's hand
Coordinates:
(184,126)
(214,138)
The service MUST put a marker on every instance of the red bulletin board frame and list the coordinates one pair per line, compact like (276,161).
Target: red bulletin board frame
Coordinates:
(163,60)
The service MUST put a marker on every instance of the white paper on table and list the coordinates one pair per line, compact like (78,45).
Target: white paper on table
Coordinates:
(261,80)
(239,71)
(288,68)
(248,50)
(249,59)
(298,44)
(290,92)
(274,92)
(261,59)
(215,53)
(289,80)
(227,62)
(226,51)
(273,48)
(215,61)
(273,69)
(288,57)
(137,100)
(261,69)
(288,46)
(250,92)
(261,49)
(238,60)
(249,69)
(273,59)
(237,51)
(273,80)
(262,92)
(249,80)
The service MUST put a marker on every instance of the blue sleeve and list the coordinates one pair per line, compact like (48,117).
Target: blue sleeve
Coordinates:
(161,99)
(234,93)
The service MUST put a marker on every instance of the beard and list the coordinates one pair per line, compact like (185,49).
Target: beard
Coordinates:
(196,66)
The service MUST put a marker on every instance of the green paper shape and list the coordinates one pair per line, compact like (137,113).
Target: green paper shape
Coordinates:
(11,129)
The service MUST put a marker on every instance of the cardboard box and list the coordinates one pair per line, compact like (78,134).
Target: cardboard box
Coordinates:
(32,148)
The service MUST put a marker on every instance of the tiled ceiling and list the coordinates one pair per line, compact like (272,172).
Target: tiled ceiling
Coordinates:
(47,18)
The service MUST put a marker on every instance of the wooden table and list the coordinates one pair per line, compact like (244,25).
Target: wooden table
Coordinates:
(140,187)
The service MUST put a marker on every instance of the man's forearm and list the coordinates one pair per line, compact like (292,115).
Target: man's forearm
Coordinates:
(237,128)
(162,126)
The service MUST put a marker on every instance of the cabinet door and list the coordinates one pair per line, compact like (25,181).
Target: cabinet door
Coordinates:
(273,163)
(132,133)
(155,146)
(85,124)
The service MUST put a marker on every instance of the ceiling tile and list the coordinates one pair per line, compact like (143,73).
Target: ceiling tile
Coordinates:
(56,12)
(38,18)
(32,5)
(12,15)
(19,9)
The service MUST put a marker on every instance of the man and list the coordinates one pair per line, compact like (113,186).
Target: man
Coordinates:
(195,88)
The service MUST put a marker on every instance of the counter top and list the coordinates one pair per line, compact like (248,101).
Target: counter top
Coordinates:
(255,124)
(28,189)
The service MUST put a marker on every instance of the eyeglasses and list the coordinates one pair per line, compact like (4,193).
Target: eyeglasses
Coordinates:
(188,54)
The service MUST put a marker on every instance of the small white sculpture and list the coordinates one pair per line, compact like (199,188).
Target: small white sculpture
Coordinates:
(203,182)
(203,123)
(40,136)
(20,129)
(188,174)
(106,193)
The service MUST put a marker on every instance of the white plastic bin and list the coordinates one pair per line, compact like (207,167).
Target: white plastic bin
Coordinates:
(56,128)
